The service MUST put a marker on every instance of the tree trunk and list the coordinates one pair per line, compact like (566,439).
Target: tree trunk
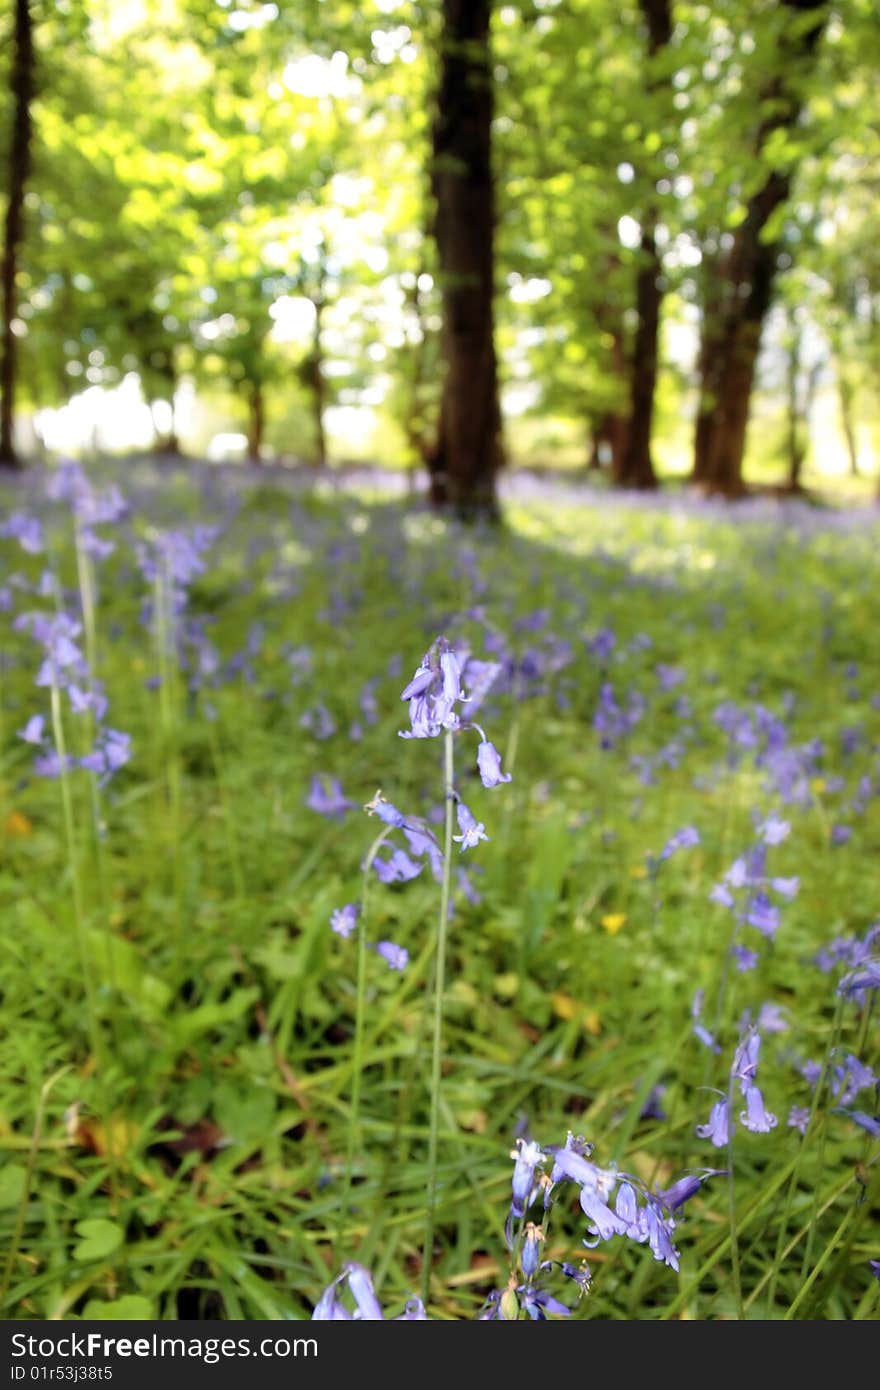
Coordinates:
(256,422)
(317,385)
(22,88)
(732,336)
(609,438)
(636,467)
(469,452)
(847,420)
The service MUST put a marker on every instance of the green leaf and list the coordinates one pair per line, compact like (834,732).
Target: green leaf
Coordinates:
(98,1239)
(12,1180)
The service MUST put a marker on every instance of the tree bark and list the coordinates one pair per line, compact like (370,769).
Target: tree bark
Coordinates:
(468,452)
(847,421)
(732,330)
(22,88)
(636,467)
(256,422)
(317,385)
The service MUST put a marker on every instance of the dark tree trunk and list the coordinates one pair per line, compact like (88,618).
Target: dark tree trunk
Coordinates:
(317,385)
(22,87)
(732,335)
(256,422)
(636,467)
(847,420)
(469,452)
(609,438)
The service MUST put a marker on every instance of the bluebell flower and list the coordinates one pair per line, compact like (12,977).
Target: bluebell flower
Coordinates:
(344,920)
(774,830)
(27,530)
(811,1071)
(530,1256)
(397,868)
(698,1029)
(33,731)
(397,957)
(744,958)
(528,1158)
(674,1197)
(603,1223)
(755,1117)
(538,1303)
(745,1059)
(870,1123)
(472,831)
(717,1129)
(327,798)
(367,1306)
(489,765)
(682,839)
(657,1230)
(798,1118)
(859,981)
(763,915)
(382,808)
(414,1311)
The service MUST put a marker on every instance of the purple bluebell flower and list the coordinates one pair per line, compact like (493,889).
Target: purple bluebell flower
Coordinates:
(528,1157)
(841,834)
(27,530)
(413,1311)
(698,1029)
(361,1285)
(774,830)
(530,1256)
(717,1129)
(538,1303)
(762,914)
(33,731)
(327,798)
(397,868)
(396,957)
(744,958)
(745,1059)
(433,692)
(859,981)
(870,1123)
(489,765)
(682,839)
(388,814)
(319,722)
(368,1308)
(874,1266)
(472,831)
(755,1117)
(785,887)
(849,1077)
(674,1197)
(657,1230)
(798,1118)
(811,1071)
(344,920)
(603,1223)
(722,895)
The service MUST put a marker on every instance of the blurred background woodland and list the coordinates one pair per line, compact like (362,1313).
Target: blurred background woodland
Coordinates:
(446,233)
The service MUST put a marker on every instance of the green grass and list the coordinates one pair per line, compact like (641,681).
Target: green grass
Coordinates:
(177,1065)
